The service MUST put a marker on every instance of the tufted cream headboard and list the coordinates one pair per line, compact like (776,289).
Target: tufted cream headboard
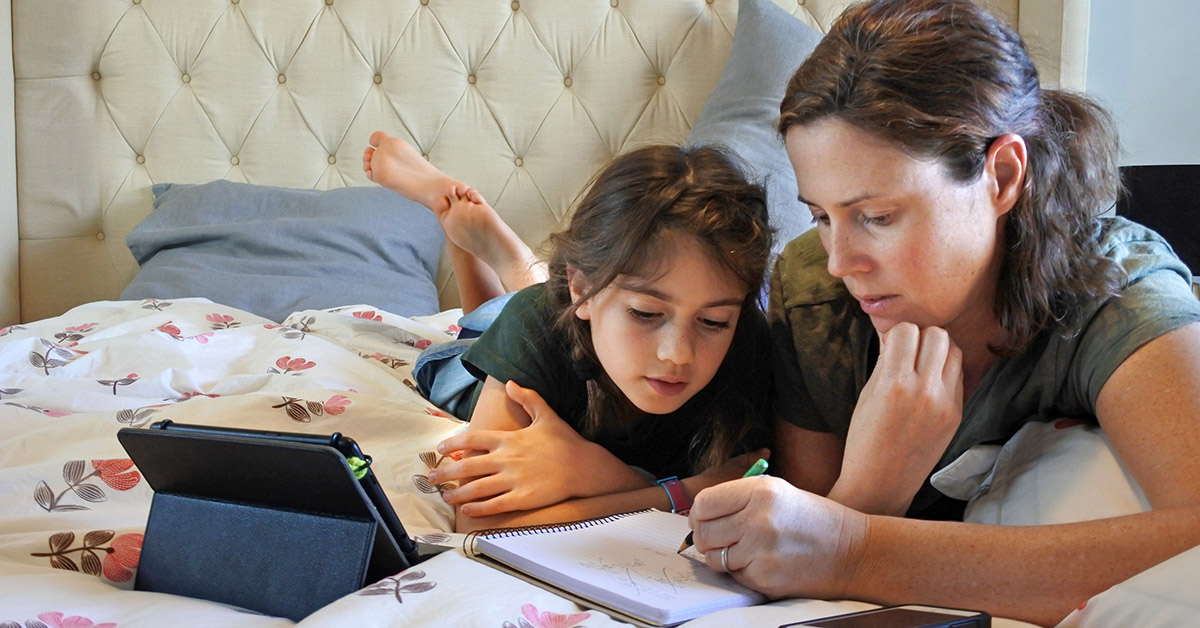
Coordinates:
(524,99)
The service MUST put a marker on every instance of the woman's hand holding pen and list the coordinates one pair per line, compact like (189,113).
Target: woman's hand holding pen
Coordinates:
(781,540)
(528,468)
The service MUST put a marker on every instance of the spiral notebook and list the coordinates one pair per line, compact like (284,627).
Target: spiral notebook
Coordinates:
(625,563)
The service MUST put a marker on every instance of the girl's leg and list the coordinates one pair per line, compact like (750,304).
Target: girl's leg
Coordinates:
(487,255)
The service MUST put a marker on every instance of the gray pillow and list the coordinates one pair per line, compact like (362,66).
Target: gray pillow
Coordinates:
(768,46)
(273,251)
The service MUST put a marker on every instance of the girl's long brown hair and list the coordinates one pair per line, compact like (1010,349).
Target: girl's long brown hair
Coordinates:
(943,79)
(625,224)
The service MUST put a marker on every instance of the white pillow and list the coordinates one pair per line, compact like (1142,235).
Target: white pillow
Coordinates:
(1164,595)
(1057,472)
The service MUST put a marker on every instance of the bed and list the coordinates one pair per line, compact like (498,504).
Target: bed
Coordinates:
(272,287)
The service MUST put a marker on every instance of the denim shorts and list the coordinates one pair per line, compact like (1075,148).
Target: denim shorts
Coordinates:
(439,372)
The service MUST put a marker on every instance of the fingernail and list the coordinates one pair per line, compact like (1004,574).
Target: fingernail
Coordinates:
(433,477)
(441,448)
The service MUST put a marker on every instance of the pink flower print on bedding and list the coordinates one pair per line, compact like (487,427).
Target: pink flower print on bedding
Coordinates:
(287,365)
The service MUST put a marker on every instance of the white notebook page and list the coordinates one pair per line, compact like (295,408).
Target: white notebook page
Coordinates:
(626,562)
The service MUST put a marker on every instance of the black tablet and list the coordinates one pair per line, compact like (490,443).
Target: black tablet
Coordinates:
(284,470)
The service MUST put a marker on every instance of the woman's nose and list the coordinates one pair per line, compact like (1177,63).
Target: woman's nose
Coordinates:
(844,257)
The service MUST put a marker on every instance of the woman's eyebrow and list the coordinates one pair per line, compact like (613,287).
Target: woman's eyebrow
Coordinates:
(865,196)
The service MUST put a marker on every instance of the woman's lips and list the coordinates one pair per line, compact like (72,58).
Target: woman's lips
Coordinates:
(666,388)
(873,306)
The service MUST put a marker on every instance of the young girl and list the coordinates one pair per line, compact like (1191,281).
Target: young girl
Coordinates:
(958,285)
(640,358)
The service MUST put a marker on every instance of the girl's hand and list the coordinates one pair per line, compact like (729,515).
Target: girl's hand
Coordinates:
(782,541)
(904,420)
(528,468)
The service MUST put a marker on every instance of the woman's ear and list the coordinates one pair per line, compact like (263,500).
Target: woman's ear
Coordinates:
(577,286)
(1007,159)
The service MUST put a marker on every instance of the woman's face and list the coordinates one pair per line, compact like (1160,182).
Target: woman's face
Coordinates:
(911,244)
(661,339)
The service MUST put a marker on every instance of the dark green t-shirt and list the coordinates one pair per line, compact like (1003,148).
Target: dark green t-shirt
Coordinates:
(523,346)
(825,347)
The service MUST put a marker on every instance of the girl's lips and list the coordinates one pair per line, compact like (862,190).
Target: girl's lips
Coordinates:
(875,305)
(666,388)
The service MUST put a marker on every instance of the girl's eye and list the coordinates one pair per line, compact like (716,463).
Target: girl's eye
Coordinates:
(714,325)
(820,219)
(877,220)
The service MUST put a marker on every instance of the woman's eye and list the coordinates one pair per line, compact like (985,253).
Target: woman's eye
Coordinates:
(820,219)
(716,325)
(642,315)
(877,220)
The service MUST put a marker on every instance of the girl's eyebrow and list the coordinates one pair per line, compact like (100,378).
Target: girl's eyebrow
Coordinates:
(661,296)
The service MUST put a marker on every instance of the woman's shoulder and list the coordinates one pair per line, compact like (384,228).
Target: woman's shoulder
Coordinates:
(1138,249)
(801,276)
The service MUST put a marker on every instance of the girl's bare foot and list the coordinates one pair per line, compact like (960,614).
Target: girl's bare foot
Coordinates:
(474,226)
(469,222)
(396,165)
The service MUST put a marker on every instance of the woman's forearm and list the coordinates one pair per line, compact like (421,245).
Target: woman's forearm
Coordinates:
(1032,573)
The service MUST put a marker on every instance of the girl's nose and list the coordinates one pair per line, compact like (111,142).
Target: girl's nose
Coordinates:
(676,346)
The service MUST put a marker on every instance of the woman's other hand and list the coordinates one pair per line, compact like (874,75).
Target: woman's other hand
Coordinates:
(904,420)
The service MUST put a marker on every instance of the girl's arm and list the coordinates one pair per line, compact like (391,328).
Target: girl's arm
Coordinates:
(603,505)
(788,542)
(807,459)
(513,460)
(548,464)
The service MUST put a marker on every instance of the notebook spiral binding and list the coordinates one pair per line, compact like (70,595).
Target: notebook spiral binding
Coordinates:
(469,540)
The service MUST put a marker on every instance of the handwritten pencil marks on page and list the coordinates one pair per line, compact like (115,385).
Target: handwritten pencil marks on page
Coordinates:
(627,562)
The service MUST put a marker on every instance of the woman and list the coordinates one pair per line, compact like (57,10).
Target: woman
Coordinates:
(959,284)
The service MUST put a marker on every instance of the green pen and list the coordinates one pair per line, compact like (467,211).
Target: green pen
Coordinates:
(756,469)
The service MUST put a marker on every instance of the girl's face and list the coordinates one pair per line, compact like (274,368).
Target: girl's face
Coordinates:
(911,244)
(661,339)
